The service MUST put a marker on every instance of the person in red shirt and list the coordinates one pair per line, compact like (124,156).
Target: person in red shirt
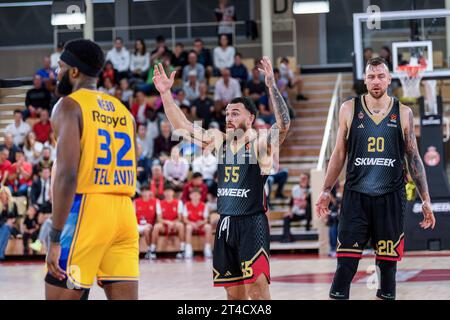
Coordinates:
(139,108)
(195,183)
(19,175)
(157,182)
(43,128)
(195,215)
(145,207)
(168,217)
(4,163)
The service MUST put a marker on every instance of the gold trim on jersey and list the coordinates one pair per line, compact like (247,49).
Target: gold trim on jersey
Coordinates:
(377,120)
(349,123)
(243,277)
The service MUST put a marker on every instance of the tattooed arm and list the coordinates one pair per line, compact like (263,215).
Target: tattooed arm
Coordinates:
(337,159)
(415,166)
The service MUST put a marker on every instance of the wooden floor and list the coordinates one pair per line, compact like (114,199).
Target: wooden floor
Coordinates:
(420,276)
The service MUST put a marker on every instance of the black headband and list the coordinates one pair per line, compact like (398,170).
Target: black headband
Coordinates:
(73,61)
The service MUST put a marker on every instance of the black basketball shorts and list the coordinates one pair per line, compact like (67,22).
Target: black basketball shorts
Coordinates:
(379,218)
(241,250)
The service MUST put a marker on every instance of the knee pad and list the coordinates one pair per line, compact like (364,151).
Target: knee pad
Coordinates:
(345,271)
(387,272)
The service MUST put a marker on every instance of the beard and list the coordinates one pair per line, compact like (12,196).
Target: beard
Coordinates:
(378,93)
(64,87)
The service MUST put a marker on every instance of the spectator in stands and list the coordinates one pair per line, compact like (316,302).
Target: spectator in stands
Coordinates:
(181,99)
(206,164)
(46,73)
(4,163)
(265,111)
(157,182)
(32,148)
(225,15)
(179,59)
(333,219)
(191,87)
(203,106)
(40,191)
(19,175)
(203,56)
(193,65)
(226,88)
(108,87)
(19,129)
(223,55)
(163,143)
(46,159)
(8,215)
(255,88)
(152,132)
(143,167)
(29,228)
(385,53)
(195,216)
(141,139)
(139,108)
(367,54)
(218,117)
(120,58)
(176,169)
(37,97)
(145,207)
(127,93)
(300,207)
(108,72)
(168,216)
(293,80)
(55,55)
(277,176)
(11,147)
(196,182)
(149,87)
(239,71)
(160,50)
(140,60)
(43,128)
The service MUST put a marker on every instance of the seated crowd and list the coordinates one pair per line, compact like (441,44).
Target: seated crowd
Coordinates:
(173,196)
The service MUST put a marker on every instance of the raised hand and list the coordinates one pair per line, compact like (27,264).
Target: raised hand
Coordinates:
(160,79)
(267,71)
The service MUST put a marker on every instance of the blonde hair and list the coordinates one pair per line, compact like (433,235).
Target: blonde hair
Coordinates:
(6,190)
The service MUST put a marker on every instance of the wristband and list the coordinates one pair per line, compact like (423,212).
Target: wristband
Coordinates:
(55,235)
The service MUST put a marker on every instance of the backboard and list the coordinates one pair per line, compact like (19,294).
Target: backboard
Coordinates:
(418,34)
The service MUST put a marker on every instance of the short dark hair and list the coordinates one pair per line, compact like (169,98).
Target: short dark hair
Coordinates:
(376,62)
(248,104)
(168,186)
(197,175)
(17,111)
(87,51)
(118,38)
(145,186)
(160,38)
(238,54)
(198,40)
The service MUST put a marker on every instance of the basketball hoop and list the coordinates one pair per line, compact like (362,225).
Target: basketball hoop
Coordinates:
(410,76)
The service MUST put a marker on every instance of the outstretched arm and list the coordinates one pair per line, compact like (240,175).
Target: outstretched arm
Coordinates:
(417,170)
(279,130)
(176,117)
(337,159)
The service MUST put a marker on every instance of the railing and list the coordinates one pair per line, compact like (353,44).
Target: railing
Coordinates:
(186,33)
(331,127)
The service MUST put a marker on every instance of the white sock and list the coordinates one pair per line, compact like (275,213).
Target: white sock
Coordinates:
(182,246)
(152,248)
(207,246)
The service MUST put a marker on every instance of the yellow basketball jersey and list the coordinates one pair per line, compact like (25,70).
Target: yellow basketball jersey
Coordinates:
(107,163)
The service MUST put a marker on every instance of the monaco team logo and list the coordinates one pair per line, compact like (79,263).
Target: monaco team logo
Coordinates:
(360,115)
(432,157)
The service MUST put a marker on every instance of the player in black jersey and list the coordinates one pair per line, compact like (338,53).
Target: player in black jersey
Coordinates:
(241,247)
(377,134)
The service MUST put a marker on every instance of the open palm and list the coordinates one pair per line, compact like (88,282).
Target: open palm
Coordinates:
(160,79)
(267,70)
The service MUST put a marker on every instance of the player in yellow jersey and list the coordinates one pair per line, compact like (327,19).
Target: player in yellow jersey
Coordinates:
(94,233)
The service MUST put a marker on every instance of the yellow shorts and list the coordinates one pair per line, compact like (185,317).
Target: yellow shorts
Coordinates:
(100,239)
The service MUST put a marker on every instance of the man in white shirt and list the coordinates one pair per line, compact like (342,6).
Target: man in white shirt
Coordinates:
(55,55)
(120,57)
(226,88)
(19,129)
